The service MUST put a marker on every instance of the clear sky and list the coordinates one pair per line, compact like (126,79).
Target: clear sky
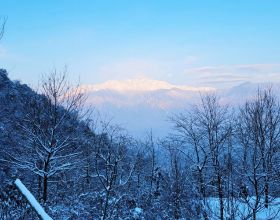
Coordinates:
(193,42)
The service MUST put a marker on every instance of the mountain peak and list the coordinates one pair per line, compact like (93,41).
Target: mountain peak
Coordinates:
(140,85)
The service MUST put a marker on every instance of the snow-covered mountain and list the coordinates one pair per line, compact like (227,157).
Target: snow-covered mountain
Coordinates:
(141,92)
(142,104)
(140,84)
(237,95)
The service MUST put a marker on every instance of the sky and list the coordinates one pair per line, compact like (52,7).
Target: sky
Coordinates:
(218,43)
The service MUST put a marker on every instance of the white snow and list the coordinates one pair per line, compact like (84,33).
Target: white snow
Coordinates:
(140,84)
(137,212)
(242,210)
(33,202)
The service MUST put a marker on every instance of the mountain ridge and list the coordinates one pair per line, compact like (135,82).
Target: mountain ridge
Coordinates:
(139,84)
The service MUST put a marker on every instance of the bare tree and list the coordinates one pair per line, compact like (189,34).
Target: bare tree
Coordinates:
(187,126)
(207,128)
(112,169)
(216,128)
(258,133)
(176,179)
(2,27)
(150,148)
(50,131)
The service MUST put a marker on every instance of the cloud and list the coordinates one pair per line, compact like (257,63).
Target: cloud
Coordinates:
(222,79)
(218,76)
(257,68)
(179,71)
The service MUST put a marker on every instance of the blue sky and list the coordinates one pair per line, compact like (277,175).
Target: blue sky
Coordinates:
(211,42)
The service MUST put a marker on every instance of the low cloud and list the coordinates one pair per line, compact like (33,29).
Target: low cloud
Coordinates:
(177,71)
(219,76)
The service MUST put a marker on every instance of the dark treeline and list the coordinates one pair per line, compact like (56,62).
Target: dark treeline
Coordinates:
(82,167)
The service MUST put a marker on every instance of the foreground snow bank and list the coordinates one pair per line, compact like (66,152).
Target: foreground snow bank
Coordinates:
(31,199)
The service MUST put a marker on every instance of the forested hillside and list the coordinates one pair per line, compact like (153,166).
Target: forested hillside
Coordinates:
(219,163)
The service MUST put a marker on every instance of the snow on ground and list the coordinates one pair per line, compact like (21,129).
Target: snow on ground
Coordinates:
(242,210)
(137,212)
(33,202)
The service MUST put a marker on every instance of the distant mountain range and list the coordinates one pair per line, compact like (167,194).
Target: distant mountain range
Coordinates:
(143,104)
(141,92)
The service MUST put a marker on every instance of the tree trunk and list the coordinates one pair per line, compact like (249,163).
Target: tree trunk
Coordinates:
(201,184)
(39,186)
(104,216)
(45,188)
(257,198)
(266,194)
(205,215)
(254,214)
(220,192)
(45,179)
(202,193)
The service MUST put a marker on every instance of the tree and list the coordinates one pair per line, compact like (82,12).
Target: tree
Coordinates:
(149,145)
(214,120)
(207,128)
(50,131)
(2,27)
(187,127)
(258,133)
(113,168)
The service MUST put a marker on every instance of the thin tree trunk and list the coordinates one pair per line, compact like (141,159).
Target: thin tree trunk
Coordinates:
(266,194)
(254,214)
(220,192)
(39,186)
(257,199)
(45,188)
(106,206)
(203,194)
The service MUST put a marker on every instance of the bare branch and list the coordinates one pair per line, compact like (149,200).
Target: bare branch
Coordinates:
(2,27)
